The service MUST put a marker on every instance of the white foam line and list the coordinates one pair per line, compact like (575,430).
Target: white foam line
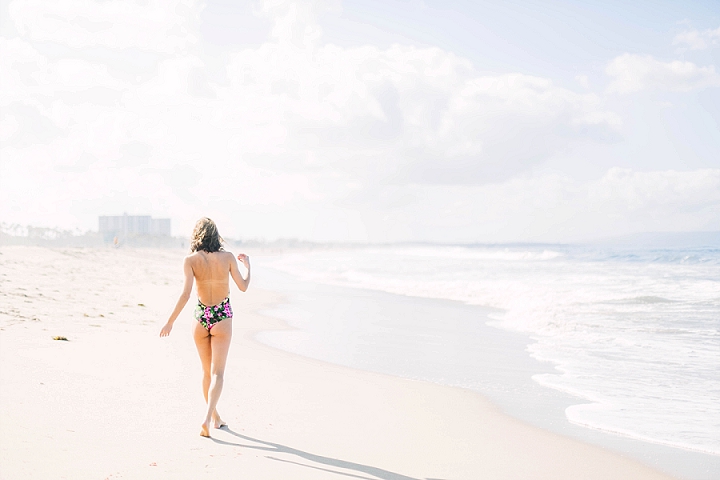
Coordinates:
(636,436)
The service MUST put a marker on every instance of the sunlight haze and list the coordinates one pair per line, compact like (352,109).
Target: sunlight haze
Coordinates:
(363,121)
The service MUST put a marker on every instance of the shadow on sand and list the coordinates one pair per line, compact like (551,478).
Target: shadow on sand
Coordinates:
(318,460)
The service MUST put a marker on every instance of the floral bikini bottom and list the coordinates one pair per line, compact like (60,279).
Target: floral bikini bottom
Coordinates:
(209,316)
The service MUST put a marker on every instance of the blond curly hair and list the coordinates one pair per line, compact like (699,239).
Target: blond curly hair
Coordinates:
(205,237)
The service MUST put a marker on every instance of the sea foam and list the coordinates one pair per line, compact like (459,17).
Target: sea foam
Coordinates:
(634,334)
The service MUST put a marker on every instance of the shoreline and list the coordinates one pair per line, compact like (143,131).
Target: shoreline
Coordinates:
(507,368)
(115,401)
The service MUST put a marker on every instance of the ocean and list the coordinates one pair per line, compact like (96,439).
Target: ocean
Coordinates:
(630,334)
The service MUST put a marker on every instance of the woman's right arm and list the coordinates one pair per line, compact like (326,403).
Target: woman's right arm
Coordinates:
(184,297)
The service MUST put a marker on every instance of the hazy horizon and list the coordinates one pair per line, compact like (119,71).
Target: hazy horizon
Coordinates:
(51,236)
(364,121)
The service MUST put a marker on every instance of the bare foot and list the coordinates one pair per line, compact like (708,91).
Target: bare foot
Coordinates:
(217,421)
(204,432)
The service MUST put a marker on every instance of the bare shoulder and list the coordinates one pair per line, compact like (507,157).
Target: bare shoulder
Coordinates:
(228,257)
(191,257)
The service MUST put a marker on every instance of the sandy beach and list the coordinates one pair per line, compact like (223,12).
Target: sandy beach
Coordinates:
(116,401)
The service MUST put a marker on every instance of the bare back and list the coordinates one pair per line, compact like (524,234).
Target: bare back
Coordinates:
(212,272)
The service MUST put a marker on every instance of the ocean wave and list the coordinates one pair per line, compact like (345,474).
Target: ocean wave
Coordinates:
(617,324)
(647,299)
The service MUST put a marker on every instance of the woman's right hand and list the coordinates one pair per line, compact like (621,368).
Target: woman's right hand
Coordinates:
(166,329)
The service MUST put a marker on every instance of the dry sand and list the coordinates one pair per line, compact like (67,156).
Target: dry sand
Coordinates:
(116,401)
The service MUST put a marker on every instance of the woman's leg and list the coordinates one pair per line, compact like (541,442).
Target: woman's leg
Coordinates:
(220,337)
(202,342)
(204,348)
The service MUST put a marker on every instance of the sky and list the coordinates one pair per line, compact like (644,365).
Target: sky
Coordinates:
(363,121)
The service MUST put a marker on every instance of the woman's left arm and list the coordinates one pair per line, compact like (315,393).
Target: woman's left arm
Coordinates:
(242,283)
(182,301)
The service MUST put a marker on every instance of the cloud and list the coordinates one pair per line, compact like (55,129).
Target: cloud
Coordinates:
(402,114)
(300,119)
(697,40)
(551,207)
(294,22)
(158,25)
(633,73)
(660,192)
(297,137)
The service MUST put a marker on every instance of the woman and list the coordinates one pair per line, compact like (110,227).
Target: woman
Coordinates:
(209,265)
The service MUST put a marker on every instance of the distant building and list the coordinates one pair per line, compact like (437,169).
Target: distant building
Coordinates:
(132,225)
